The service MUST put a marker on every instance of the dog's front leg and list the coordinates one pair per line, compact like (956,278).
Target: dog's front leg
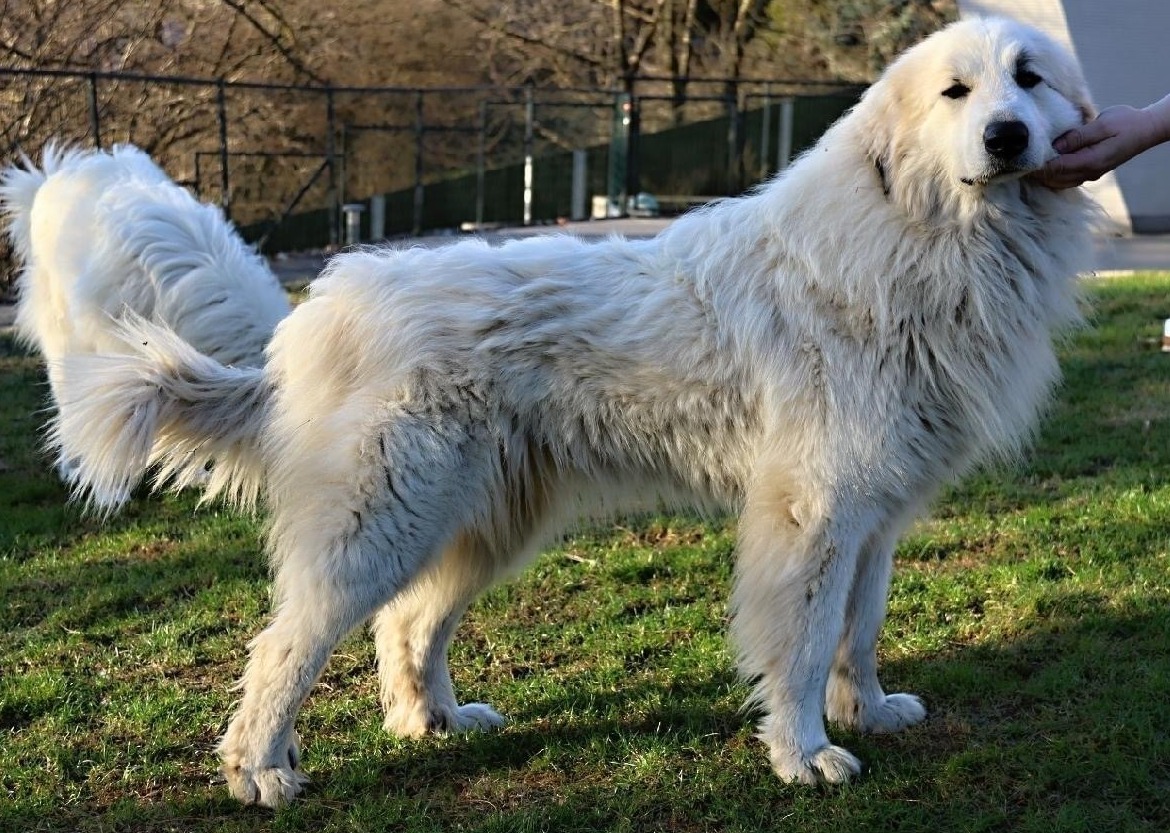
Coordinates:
(797,557)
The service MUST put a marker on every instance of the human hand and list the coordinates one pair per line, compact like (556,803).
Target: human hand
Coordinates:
(1092,150)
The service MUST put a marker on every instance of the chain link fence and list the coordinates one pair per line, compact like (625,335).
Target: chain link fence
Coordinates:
(285,160)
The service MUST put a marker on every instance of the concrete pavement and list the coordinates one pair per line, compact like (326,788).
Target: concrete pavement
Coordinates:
(1133,253)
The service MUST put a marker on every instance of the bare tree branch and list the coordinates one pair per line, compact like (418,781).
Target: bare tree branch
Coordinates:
(499,26)
(274,38)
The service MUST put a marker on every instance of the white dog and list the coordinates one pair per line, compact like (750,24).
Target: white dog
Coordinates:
(820,356)
(100,233)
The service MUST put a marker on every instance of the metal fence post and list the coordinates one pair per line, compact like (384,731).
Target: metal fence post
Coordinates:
(734,157)
(765,132)
(419,194)
(784,144)
(95,123)
(481,165)
(579,199)
(343,167)
(331,161)
(633,182)
(225,199)
(529,129)
(378,217)
(617,174)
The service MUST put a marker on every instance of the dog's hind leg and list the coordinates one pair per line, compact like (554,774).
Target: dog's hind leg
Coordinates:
(855,698)
(413,633)
(341,550)
(67,469)
(797,557)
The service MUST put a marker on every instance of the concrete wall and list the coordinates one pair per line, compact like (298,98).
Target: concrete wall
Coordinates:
(1122,46)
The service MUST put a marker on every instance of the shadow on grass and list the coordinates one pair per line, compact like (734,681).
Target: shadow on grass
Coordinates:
(160,568)
(1070,715)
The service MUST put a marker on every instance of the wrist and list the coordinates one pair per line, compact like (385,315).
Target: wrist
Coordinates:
(1158,114)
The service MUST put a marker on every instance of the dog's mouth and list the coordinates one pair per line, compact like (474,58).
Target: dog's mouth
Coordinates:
(1001,172)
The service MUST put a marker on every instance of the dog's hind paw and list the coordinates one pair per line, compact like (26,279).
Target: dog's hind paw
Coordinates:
(442,720)
(890,713)
(828,765)
(896,713)
(477,717)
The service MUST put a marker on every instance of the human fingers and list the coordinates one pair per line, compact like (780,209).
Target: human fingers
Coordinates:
(1058,175)
(1082,137)
(1089,163)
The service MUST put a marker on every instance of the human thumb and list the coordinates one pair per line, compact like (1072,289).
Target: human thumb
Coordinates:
(1070,141)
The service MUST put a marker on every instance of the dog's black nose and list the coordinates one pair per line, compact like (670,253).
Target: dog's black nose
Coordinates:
(1005,139)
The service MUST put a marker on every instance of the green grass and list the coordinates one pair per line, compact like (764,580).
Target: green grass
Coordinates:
(1032,613)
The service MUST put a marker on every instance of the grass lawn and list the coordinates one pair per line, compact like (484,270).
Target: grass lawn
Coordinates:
(1031,612)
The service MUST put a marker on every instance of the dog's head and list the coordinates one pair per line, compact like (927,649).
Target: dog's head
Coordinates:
(977,103)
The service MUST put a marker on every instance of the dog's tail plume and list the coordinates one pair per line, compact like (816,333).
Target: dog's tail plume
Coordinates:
(165,405)
(19,184)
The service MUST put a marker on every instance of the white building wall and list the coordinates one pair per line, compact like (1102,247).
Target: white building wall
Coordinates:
(1122,46)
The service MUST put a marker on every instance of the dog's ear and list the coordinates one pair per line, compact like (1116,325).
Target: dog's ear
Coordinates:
(881,122)
(1062,72)
(1084,105)
(876,113)
(1073,87)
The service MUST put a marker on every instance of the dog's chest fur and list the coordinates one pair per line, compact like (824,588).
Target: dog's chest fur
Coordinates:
(958,341)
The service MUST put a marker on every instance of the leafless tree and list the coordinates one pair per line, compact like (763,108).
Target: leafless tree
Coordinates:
(608,45)
(854,39)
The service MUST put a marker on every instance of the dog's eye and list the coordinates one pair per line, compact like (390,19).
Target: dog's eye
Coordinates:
(1027,79)
(957,90)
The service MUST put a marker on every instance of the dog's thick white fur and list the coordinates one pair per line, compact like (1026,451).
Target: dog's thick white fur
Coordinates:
(819,356)
(98,233)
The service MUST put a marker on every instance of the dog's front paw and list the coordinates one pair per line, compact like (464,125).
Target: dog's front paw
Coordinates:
(827,765)
(269,786)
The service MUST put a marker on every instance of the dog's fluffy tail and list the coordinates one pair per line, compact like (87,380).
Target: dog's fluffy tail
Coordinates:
(19,185)
(161,404)
(212,289)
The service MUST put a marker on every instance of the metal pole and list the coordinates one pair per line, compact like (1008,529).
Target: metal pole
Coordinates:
(633,183)
(225,199)
(529,119)
(95,123)
(343,166)
(331,161)
(765,132)
(378,217)
(578,202)
(617,180)
(733,155)
(419,129)
(481,165)
(784,148)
